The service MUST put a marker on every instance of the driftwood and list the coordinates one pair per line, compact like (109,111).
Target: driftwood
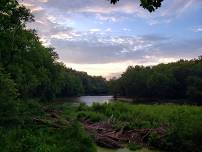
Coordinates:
(107,142)
(108,137)
(104,134)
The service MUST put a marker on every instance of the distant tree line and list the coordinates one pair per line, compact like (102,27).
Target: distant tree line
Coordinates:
(30,70)
(178,80)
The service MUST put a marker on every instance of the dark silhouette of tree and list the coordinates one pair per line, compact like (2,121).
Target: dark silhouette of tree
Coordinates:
(150,5)
(31,69)
(182,79)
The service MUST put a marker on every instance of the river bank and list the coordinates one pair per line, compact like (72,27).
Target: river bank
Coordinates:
(167,127)
(59,127)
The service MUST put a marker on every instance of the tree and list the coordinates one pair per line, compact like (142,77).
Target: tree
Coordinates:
(13,15)
(179,80)
(161,85)
(194,89)
(33,67)
(150,5)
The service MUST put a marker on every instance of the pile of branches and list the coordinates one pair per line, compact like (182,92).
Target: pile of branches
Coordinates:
(106,136)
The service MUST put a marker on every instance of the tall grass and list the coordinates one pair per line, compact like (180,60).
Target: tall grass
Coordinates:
(22,135)
(184,122)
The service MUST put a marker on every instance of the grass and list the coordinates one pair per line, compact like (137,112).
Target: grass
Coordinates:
(184,122)
(19,133)
(23,135)
(134,147)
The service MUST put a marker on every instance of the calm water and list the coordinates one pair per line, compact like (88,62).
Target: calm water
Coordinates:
(89,100)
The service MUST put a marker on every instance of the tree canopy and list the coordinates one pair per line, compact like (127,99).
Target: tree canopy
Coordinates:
(33,68)
(178,80)
(150,5)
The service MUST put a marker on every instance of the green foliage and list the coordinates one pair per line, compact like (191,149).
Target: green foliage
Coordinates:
(82,107)
(8,94)
(194,89)
(183,122)
(8,89)
(93,85)
(161,85)
(179,80)
(33,67)
(70,139)
(12,15)
(133,146)
(93,116)
(30,70)
(150,5)
(25,135)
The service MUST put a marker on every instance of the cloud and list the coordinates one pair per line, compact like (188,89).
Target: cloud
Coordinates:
(108,30)
(94,48)
(105,17)
(197,29)
(178,7)
(102,10)
(100,38)
(110,70)
(43,1)
(92,6)
(94,30)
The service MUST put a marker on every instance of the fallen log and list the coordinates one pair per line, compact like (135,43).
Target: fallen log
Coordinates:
(107,142)
(107,136)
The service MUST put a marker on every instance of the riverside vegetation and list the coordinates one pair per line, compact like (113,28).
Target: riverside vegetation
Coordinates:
(61,127)
(31,76)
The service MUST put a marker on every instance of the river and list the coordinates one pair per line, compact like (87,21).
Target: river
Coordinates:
(89,100)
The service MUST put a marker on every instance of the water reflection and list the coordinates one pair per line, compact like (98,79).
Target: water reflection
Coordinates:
(89,100)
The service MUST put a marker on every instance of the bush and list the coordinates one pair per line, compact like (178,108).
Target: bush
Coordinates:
(70,139)
(134,146)
(8,102)
(93,116)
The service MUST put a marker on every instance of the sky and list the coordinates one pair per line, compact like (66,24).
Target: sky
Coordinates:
(103,39)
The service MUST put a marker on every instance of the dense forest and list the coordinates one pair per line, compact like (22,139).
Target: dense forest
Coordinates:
(178,80)
(31,69)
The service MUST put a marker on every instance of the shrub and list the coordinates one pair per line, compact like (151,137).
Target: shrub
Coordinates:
(134,146)
(89,115)
(8,102)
